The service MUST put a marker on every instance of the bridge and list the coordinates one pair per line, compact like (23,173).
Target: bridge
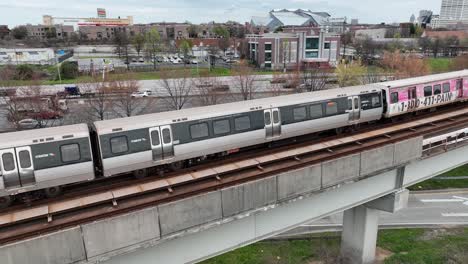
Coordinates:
(360,174)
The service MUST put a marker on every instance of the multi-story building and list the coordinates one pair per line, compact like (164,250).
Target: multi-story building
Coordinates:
(453,12)
(48,32)
(169,31)
(294,48)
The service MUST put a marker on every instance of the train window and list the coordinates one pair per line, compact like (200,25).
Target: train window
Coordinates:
(155,140)
(428,91)
(446,88)
(437,89)
(243,123)
(299,113)
(71,152)
(221,126)
(394,97)
(376,102)
(412,93)
(267,118)
(331,109)
(24,159)
(316,111)
(199,130)
(350,104)
(275,117)
(356,103)
(166,135)
(8,162)
(119,144)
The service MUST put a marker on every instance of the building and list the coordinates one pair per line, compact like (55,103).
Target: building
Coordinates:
(167,31)
(27,56)
(279,18)
(48,20)
(294,48)
(453,12)
(373,33)
(435,21)
(49,32)
(4,31)
(424,18)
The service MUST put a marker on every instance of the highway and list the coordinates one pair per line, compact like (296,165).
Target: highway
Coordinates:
(425,209)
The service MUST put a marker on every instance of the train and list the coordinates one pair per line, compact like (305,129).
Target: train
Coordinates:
(42,161)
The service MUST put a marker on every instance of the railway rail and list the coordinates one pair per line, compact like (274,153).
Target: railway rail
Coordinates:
(21,223)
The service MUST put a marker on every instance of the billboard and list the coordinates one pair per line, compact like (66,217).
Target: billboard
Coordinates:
(101,13)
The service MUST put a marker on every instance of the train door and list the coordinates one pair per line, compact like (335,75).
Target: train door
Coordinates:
(9,170)
(25,165)
(161,143)
(167,142)
(156,146)
(460,87)
(354,109)
(272,123)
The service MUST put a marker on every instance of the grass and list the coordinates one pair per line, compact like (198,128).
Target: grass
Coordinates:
(407,245)
(154,75)
(438,65)
(436,184)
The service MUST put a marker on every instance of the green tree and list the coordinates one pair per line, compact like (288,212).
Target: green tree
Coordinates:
(221,32)
(152,45)
(350,74)
(185,47)
(69,70)
(20,32)
(122,44)
(138,42)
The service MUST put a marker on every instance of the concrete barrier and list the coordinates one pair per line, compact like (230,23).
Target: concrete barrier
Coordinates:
(111,234)
(300,181)
(260,193)
(340,170)
(407,150)
(232,200)
(190,212)
(377,159)
(65,246)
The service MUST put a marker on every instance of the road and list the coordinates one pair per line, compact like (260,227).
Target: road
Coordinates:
(438,209)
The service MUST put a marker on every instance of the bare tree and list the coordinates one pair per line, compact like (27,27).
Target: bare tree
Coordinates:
(244,79)
(123,102)
(98,107)
(177,87)
(210,90)
(314,79)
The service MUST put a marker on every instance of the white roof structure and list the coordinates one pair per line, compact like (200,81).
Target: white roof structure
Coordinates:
(290,18)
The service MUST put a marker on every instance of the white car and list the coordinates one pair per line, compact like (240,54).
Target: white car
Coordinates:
(177,61)
(193,61)
(29,124)
(141,93)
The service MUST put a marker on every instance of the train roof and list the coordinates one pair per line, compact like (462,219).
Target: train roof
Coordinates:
(426,79)
(197,113)
(27,137)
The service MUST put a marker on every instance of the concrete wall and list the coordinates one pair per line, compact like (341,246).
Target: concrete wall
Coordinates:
(102,239)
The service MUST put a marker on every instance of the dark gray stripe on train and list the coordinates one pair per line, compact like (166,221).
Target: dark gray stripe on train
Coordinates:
(47,155)
(137,141)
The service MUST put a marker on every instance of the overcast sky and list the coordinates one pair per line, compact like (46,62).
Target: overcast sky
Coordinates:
(14,12)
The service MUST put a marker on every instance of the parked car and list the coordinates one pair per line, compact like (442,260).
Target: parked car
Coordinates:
(194,61)
(141,59)
(134,60)
(145,93)
(29,124)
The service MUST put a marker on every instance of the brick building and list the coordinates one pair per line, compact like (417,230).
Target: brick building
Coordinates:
(167,31)
(45,32)
(294,48)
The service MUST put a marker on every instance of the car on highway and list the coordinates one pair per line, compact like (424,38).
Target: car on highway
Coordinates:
(29,123)
(145,93)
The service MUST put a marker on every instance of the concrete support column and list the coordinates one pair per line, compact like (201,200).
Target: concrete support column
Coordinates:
(359,237)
